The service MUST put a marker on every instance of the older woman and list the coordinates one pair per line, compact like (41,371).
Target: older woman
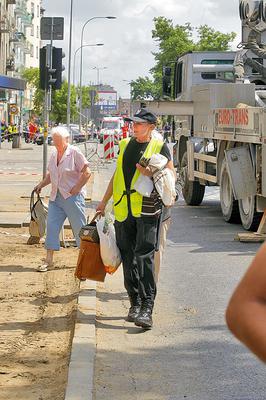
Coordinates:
(68,173)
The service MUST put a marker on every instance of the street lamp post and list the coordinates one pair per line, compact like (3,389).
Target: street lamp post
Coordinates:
(98,73)
(74,63)
(130,85)
(81,64)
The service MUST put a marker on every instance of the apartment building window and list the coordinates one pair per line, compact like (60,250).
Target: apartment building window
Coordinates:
(38,11)
(37,31)
(32,30)
(32,9)
(31,50)
(37,52)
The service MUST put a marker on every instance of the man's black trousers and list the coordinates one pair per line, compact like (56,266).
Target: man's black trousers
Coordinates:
(136,239)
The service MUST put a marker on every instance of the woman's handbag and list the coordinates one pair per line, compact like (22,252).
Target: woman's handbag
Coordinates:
(38,212)
(90,265)
(89,231)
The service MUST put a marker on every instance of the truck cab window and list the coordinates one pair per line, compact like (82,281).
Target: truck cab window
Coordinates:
(217,75)
(178,78)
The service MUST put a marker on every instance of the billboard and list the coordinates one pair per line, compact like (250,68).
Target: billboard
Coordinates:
(107,100)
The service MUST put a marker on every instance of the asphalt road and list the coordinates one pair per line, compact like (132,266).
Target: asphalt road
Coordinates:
(189,354)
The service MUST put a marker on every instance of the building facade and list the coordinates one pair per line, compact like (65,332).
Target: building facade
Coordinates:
(27,48)
(34,7)
(19,49)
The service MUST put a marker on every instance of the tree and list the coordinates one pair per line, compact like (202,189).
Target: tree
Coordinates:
(174,40)
(144,88)
(32,77)
(59,97)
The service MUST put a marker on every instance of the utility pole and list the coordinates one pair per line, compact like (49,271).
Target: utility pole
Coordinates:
(52,28)
(69,68)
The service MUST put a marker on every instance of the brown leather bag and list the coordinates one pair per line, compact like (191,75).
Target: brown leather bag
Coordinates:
(90,265)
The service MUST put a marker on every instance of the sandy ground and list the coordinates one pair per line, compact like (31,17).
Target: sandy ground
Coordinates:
(37,316)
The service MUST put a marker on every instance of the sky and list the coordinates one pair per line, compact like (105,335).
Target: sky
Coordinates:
(128,43)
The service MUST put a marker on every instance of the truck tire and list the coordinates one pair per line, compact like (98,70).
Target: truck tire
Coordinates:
(250,218)
(229,205)
(193,192)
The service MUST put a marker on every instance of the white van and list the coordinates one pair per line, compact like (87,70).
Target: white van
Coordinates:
(112,126)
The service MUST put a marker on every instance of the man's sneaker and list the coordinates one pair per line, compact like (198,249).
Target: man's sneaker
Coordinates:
(135,304)
(144,318)
(133,313)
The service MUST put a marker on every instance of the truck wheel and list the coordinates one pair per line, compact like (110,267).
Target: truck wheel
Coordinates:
(229,205)
(193,192)
(250,218)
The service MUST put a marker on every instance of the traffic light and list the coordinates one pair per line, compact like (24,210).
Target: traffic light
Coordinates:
(43,69)
(58,67)
(51,76)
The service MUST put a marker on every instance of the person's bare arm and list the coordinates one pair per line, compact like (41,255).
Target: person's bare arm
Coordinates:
(246,312)
(107,196)
(45,182)
(86,174)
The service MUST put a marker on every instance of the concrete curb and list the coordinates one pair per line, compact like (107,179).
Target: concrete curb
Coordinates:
(81,367)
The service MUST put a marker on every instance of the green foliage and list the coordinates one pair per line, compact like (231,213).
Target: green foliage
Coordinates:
(32,76)
(59,103)
(144,88)
(174,40)
(59,97)
(209,39)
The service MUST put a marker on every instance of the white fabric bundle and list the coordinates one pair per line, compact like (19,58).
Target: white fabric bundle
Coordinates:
(163,179)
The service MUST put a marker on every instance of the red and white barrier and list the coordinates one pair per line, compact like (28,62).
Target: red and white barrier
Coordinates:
(108,144)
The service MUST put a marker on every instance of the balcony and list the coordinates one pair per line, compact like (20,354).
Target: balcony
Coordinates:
(26,19)
(18,39)
(21,8)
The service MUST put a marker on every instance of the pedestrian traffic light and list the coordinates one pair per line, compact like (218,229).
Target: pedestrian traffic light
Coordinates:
(51,76)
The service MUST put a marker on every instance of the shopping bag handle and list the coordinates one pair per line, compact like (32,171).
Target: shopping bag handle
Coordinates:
(32,200)
(96,216)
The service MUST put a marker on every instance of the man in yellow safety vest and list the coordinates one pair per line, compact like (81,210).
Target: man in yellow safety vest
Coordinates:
(137,216)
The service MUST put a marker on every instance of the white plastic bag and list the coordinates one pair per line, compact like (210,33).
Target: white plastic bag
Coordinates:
(144,185)
(110,253)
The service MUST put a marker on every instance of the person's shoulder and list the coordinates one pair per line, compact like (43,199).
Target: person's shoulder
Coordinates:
(74,149)
(126,140)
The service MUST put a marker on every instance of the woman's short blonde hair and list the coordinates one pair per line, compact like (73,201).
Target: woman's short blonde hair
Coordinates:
(60,131)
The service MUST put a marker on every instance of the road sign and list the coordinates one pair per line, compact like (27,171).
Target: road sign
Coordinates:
(52,28)
(13,109)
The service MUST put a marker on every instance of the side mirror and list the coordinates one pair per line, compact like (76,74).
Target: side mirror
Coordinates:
(167,81)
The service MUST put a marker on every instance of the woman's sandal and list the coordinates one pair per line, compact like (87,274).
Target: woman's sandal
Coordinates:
(44,267)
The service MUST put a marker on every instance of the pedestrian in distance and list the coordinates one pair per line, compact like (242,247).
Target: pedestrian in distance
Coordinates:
(68,173)
(3,130)
(10,133)
(246,312)
(136,216)
(166,132)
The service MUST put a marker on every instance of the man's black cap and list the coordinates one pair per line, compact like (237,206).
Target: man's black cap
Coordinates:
(143,115)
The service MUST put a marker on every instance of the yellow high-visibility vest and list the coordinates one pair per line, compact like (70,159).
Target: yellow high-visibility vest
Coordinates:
(120,194)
